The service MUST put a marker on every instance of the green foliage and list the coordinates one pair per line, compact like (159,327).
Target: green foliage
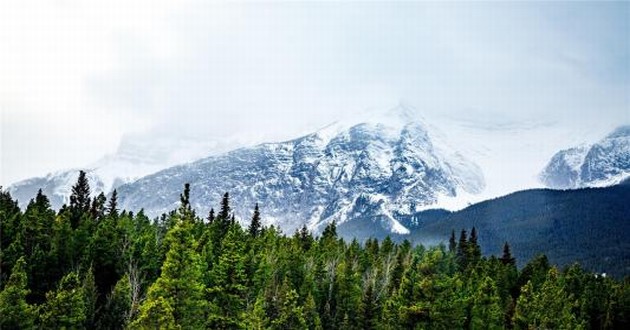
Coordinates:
(91,266)
(65,308)
(179,289)
(547,308)
(15,312)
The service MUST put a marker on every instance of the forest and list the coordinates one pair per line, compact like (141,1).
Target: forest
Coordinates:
(91,265)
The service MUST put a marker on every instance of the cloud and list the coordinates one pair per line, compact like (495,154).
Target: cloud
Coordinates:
(270,71)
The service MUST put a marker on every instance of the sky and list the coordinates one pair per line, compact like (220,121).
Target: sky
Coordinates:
(76,76)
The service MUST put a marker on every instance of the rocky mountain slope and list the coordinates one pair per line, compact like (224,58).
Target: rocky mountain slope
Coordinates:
(603,163)
(381,169)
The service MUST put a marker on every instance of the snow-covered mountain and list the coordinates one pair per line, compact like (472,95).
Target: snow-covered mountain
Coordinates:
(379,169)
(136,157)
(604,163)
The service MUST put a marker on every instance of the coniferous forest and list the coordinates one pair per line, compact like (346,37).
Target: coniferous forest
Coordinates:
(93,266)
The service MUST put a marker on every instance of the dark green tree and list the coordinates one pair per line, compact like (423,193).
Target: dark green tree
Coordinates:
(452,243)
(255,225)
(112,206)
(80,201)
(15,312)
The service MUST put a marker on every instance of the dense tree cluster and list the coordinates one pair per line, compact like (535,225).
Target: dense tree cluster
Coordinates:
(93,266)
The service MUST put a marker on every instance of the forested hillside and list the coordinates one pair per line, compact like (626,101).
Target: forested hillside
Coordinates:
(590,226)
(91,265)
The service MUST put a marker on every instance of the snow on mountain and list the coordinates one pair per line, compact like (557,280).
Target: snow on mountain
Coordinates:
(136,157)
(604,163)
(379,168)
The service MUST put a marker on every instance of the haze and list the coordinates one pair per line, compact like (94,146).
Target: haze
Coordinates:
(77,76)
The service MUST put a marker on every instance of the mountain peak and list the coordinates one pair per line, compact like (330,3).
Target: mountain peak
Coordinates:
(619,132)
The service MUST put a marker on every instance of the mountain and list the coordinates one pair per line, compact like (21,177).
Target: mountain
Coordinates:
(381,169)
(603,163)
(136,157)
(590,226)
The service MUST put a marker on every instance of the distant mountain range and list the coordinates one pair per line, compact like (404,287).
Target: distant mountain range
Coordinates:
(382,168)
(604,163)
(590,226)
(387,166)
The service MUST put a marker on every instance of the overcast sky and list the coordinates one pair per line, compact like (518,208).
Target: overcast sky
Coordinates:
(75,76)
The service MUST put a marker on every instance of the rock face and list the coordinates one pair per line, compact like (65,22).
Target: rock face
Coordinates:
(604,163)
(378,170)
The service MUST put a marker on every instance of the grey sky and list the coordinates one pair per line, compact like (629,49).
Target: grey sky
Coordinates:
(76,76)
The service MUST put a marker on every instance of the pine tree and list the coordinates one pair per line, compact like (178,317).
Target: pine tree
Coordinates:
(179,288)
(452,243)
(117,310)
(156,313)
(65,307)
(546,308)
(15,312)
(210,216)
(90,294)
(462,251)
(112,206)
(507,258)
(291,315)
(79,199)
(254,227)
(224,213)
(474,251)
(486,309)
(184,198)
(229,278)
(97,209)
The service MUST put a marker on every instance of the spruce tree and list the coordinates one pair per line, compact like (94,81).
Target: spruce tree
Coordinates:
(452,243)
(210,216)
(112,206)
(224,213)
(98,206)
(474,251)
(116,312)
(15,312)
(79,199)
(507,258)
(179,289)
(254,227)
(65,307)
(462,250)
(229,292)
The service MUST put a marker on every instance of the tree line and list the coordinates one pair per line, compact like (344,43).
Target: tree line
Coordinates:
(93,266)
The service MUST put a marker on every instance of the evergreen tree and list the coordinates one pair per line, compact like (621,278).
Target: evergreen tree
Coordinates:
(98,206)
(229,278)
(290,315)
(15,312)
(224,213)
(79,199)
(369,310)
(452,243)
(65,307)
(184,198)
(255,225)
(211,216)
(179,289)
(548,307)
(117,310)
(156,313)
(486,308)
(507,258)
(112,206)
(474,251)
(462,251)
